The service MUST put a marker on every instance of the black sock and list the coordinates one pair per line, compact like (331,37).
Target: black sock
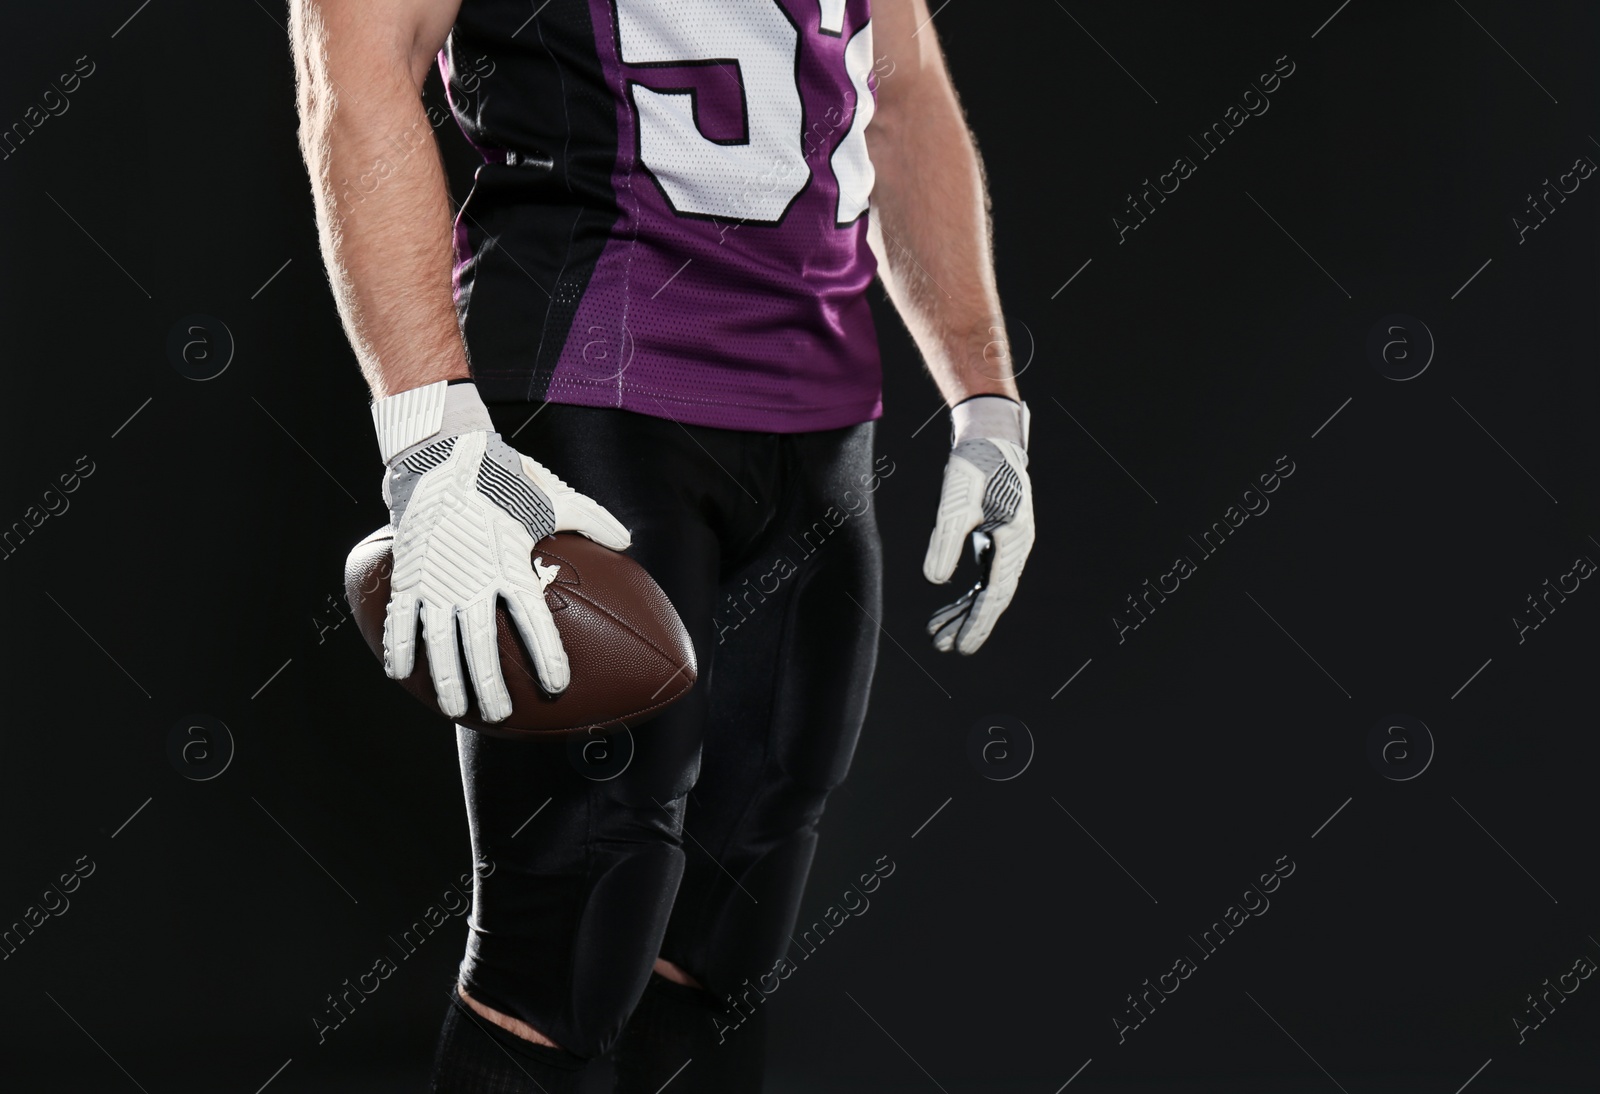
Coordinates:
(475,1056)
(674,1023)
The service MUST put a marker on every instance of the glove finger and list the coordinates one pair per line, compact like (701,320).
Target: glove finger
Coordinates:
(975,629)
(577,512)
(960,511)
(954,610)
(480,638)
(444,663)
(538,630)
(400,636)
(944,640)
(947,620)
(1012,543)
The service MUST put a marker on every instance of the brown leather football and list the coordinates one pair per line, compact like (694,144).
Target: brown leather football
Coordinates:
(630,654)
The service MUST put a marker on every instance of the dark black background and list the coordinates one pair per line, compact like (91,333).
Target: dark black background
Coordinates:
(198,557)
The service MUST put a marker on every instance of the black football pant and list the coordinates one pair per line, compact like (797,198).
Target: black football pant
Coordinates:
(689,838)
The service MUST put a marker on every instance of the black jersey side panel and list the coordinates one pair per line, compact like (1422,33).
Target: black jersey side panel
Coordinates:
(542,207)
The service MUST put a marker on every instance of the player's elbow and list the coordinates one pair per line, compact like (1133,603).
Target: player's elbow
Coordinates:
(911,98)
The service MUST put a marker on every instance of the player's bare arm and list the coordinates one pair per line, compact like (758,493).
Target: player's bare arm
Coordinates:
(383,219)
(930,223)
(930,232)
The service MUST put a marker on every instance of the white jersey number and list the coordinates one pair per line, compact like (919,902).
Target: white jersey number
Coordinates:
(757,178)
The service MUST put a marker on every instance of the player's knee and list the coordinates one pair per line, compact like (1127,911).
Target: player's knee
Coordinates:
(617,938)
(818,742)
(794,803)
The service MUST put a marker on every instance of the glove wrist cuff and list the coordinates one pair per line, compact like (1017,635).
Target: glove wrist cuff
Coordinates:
(441,409)
(995,417)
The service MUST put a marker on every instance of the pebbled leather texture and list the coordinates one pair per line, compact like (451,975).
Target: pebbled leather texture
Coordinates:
(630,654)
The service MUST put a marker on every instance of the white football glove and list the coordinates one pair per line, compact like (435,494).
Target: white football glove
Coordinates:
(987,497)
(467,509)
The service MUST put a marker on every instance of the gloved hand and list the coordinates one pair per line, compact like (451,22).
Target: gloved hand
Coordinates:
(988,497)
(467,509)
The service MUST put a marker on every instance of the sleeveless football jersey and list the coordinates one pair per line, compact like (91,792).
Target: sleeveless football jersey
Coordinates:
(670,217)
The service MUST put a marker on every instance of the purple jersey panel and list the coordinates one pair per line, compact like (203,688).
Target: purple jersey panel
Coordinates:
(726,284)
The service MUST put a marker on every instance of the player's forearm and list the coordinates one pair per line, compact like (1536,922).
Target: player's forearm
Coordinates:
(931,235)
(382,203)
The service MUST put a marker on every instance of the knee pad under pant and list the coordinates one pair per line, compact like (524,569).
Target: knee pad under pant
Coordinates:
(577,971)
(575,884)
(726,933)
